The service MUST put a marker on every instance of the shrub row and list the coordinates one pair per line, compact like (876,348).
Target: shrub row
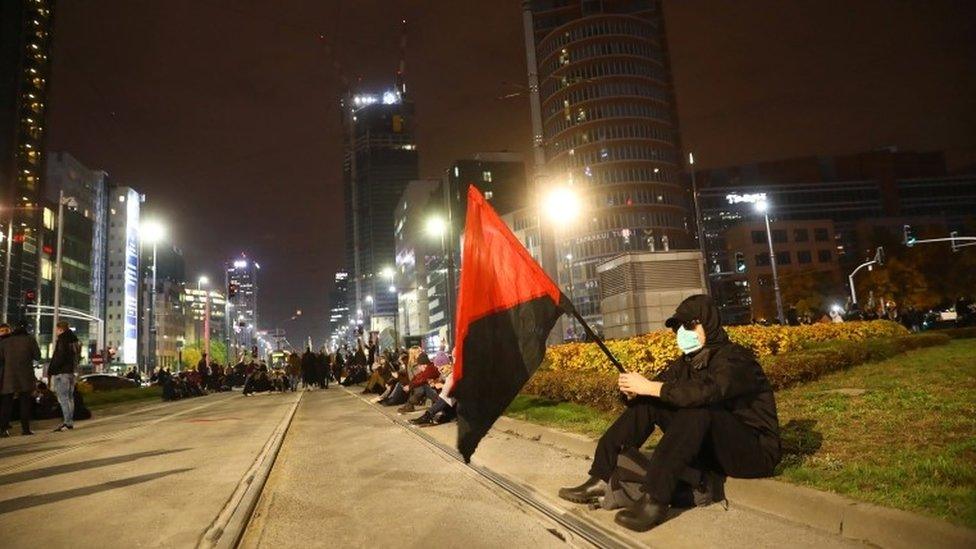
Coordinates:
(597,388)
(650,353)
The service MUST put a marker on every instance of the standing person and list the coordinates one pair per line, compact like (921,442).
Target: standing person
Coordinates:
(322,372)
(294,370)
(308,367)
(18,351)
(64,360)
(203,370)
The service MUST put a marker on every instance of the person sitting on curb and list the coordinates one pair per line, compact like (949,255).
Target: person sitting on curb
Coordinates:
(419,389)
(714,405)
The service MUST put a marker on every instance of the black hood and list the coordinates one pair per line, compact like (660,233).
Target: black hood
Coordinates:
(701,308)
(69,335)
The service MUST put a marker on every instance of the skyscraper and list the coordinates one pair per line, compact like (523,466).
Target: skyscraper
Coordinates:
(242,300)
(380,159)
(89,188)
(25,66)
(339,308)
(604,123)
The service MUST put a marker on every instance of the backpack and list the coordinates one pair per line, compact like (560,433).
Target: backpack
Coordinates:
(626,485)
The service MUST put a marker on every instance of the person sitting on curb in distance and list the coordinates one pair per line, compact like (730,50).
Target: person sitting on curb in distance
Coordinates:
(714,405)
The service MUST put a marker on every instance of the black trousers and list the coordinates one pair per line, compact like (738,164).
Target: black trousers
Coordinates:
(704,438)
(7,408)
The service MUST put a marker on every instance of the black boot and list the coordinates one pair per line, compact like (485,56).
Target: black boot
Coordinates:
(588,492)
(643,515)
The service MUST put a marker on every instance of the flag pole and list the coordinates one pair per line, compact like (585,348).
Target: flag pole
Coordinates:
(568,306)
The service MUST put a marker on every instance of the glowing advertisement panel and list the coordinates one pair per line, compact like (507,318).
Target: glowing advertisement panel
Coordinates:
(130,326)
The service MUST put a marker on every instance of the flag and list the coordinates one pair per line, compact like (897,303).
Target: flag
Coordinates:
(507,306)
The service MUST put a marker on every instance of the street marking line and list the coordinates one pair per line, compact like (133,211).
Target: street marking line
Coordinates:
(229,525)
(113,435)
(578,527)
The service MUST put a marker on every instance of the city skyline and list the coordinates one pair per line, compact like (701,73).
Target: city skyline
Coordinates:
(740,78)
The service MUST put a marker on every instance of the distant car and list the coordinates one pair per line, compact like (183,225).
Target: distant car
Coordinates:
(108,382)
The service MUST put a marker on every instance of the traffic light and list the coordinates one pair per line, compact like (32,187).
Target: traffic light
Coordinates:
(231,289)
(30,297)
(908,236)
(740,262)
(953,236)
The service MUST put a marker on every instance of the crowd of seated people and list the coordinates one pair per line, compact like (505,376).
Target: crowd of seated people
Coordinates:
(265,380)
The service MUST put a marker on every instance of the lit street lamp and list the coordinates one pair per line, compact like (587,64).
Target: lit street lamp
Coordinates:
(563,205)
(154,233)
(203,281)
(762,205)
(438,227)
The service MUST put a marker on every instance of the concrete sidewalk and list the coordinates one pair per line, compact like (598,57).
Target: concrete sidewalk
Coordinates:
(541,469)
(156,476)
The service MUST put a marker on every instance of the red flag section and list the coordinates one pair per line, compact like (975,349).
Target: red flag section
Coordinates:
(507,306)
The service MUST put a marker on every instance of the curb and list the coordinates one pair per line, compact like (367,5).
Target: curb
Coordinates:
(824,511)
(228,527)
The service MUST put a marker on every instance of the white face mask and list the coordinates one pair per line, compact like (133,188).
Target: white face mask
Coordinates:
(688,340)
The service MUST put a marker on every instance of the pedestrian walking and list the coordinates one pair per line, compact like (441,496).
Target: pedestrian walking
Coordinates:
(18,351)
(294,370)
(64,361)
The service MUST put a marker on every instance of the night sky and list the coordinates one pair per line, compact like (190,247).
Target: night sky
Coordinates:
(224,112)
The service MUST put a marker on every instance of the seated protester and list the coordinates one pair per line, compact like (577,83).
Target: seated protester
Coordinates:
(356,374)
(715,407)
(376,383)
(400,378)
(46,404)
(419,389)
(443,409)
(258,381)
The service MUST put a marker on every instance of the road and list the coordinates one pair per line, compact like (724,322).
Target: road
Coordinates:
(348,474)
(157,476)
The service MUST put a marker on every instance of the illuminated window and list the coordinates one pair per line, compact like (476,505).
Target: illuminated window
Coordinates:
(48,219)
(47,269)
(486,176)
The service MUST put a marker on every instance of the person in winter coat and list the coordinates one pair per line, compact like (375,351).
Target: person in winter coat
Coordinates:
(294,370)
(18,351)
(715,407)
(308,368)
(64,360)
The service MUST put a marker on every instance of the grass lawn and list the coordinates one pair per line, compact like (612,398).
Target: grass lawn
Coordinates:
(907,441)
(101,399)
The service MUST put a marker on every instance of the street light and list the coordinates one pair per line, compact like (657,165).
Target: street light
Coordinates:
(203,281)
(438,227)
(62,202)
(154,233)
(761,204)
(562,205)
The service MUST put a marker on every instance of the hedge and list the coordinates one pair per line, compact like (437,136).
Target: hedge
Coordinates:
(597,387)
(650,353)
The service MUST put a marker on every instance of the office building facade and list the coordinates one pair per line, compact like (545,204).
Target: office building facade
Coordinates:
(195,308)
(242,299)
(380,159)
(76,268)
(89,189)
(339,316)
(605,125)
(26,28)
(887,186)
(421,263)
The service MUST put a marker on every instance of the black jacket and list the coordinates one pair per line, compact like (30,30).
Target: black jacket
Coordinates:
(723,375)
(67,354)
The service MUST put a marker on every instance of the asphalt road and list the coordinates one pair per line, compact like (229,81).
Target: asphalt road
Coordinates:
(156,476)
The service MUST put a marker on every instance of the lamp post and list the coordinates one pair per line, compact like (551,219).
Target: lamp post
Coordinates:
(201,282)
(562,206)
(761,204)
(438,227)
(62,202)
(153,232)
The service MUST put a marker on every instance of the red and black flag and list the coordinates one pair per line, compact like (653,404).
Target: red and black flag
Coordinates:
(507,306)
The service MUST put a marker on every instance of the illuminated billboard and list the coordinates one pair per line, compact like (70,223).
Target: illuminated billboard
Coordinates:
(130,326)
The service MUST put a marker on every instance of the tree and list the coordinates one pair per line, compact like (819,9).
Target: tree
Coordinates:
(194,352)
(809,291)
